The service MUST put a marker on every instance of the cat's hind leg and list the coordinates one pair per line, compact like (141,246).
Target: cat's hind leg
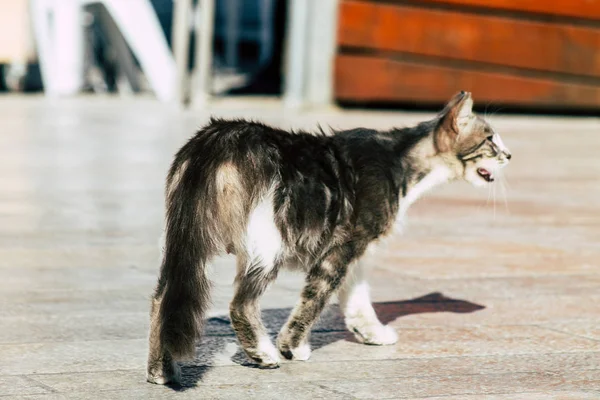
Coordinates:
(252,280)
(359,315)
(258,258)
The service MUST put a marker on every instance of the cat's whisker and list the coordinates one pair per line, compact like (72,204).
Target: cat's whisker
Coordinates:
(496,112)
(503,183)
(489,195)
(485,113)
(494,191)
(505,197)
(483,205)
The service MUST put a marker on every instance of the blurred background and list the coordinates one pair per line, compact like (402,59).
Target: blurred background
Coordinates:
(533,55)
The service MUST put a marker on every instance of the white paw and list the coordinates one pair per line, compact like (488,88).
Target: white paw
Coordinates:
(301,353)
(267,353)
(376,334)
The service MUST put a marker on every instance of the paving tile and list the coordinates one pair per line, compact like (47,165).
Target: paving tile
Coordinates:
(549,395)
(17,385)
(535,310)
(330,370)
(451,341)
(466,385)
(94,327)
(477,264)
(91,326)
(71,356)
(80,277)
(481,289)
(33,304)
(27,260)
(267,391)
(53,357)
(586,328)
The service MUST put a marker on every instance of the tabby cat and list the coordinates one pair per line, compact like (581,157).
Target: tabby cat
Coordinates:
(312,202)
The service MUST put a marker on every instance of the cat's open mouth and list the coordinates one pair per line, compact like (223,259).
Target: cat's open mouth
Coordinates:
(485,174)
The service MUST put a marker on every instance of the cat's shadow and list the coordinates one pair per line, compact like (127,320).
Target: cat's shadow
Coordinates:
(219,340)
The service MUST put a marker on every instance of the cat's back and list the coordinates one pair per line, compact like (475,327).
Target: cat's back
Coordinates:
(243,137)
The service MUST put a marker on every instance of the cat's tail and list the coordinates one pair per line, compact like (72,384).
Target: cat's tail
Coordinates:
(183,288)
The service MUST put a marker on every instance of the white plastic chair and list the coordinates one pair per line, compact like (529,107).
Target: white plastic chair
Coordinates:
(59,33)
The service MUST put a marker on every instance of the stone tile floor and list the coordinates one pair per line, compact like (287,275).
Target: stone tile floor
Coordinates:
(491,299)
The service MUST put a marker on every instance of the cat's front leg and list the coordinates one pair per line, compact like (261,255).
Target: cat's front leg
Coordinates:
(321,282)
(359,315)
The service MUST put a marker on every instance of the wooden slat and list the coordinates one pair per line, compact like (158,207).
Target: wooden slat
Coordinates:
(585,9)
(470,37)
(369,79)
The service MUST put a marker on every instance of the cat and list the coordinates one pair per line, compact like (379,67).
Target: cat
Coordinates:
(312,202)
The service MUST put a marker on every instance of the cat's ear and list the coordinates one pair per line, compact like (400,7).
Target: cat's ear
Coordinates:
(453,120)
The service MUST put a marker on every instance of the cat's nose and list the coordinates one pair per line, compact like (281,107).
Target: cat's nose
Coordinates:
(508,156)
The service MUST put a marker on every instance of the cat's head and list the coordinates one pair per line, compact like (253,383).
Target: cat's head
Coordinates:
(475,147)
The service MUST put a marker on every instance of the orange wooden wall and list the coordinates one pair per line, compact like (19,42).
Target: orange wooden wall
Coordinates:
(536,53)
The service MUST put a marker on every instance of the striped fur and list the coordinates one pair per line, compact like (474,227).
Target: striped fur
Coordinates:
(280,199)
